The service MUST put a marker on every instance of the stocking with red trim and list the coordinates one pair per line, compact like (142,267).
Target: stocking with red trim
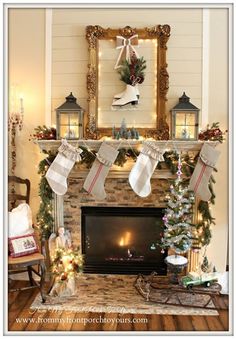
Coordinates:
(95,180)
(199,182)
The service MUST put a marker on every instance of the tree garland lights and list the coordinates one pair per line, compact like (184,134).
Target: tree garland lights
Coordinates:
(44,215)
(66,263)
(178,227)
(203,232)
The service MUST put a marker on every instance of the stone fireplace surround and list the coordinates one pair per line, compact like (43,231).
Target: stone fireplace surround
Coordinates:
(119,192)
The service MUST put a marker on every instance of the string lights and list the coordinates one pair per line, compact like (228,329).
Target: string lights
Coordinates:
(179,230)
(66,263)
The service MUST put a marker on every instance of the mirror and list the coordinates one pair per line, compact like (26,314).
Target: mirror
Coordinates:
(148,113)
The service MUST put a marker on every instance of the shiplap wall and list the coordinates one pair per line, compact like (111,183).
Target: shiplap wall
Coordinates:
(70,49)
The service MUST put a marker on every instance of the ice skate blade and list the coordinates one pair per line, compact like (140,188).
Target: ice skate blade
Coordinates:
(127,107)
(134,102)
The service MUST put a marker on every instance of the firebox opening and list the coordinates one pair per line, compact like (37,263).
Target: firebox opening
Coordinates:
(122,240)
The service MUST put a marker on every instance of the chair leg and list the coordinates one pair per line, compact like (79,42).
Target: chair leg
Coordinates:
(42,280)
(30,276)
(52,282)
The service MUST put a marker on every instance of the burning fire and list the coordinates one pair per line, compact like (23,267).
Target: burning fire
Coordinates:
(125,239)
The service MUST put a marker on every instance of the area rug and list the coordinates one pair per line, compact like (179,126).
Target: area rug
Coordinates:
(107,293)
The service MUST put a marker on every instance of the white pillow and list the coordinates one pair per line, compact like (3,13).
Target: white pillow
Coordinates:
(20,221)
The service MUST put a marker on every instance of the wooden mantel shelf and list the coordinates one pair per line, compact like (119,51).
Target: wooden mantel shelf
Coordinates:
(53,145)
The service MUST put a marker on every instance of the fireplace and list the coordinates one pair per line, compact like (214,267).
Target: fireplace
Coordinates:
(121,240)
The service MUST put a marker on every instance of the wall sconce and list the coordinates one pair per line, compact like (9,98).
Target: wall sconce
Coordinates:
(70,119)
(184,120)
(15,120)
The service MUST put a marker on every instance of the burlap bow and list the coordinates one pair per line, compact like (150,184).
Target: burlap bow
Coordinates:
(126,47)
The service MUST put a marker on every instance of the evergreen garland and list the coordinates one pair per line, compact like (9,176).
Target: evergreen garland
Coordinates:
(45,218)
(124,155)
(213,133)
(44,133)
(133,72)
(87,156)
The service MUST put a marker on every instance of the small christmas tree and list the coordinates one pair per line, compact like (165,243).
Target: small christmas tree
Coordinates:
(124,133)
(206,267)
(178,230)
(113,132)
(123,129)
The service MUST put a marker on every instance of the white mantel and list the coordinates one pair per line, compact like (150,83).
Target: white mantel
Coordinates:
(123,172)
(181,146)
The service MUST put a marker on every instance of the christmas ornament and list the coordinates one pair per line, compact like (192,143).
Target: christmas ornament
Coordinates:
(140,175)
(199,182)
(61,167)
(95,180)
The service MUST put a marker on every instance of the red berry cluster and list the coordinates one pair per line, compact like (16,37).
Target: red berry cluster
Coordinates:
(134,64)
(44,133)
(212,133)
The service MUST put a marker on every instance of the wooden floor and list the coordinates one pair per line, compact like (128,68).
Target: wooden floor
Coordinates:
(21,318)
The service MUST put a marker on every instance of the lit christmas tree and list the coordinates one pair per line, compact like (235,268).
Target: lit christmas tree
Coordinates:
(179,230)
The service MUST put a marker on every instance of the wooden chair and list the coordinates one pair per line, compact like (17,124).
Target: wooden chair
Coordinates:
(25,263)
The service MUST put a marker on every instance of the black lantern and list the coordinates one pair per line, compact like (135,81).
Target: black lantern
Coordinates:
(184,120)
(70,119)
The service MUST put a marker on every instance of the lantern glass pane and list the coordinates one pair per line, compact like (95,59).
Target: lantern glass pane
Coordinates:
(74,132)
(190,119)
(191,132)
(71,132)
(185,132)
(179,131)
(180,119)
(63,131)
(64,119)
(74,119)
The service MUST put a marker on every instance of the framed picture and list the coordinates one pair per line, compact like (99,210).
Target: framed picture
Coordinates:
(103,81)
(23,245)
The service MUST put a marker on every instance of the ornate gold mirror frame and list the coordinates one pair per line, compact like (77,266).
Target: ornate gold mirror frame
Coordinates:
(95,33)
